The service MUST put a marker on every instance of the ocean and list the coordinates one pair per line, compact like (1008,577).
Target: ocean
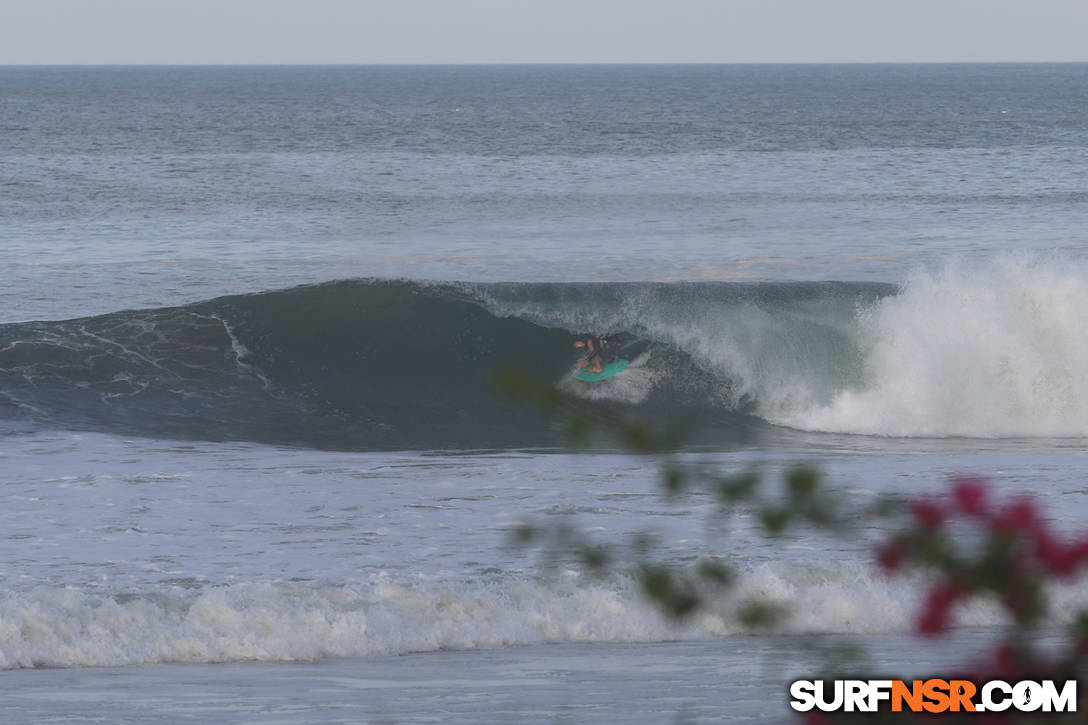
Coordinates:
(255,468)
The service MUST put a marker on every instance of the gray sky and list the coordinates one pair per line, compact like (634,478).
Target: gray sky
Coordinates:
(540,31)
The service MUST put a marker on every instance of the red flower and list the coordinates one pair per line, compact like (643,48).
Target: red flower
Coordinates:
(971,495)
(1059,559)
(890,556)
(929,514)
(1020,518)
(938,605)
(1079,551)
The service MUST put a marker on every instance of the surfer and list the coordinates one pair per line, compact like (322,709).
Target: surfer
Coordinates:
(596,349)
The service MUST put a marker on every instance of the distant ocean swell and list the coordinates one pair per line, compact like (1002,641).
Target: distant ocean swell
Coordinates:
(988,350)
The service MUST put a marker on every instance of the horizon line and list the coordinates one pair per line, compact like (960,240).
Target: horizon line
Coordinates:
(539,63)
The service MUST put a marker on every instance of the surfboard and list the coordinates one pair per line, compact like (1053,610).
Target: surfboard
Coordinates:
(607,371)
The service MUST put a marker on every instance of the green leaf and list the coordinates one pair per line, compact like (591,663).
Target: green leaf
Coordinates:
(637,437)
(803,482)
(760,615)
(737,488)
(524,534)
(577,431)
(595,557)
(715,572)
(657,583)
(674,481)
(774,520)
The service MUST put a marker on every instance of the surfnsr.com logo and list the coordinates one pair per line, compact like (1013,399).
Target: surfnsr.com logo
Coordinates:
(933,696)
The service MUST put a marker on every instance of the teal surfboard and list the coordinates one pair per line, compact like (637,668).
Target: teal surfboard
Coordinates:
(607,371)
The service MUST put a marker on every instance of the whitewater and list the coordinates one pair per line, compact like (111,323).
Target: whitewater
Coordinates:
(255,466)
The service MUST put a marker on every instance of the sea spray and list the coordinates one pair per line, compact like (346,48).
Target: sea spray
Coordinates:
(995,349)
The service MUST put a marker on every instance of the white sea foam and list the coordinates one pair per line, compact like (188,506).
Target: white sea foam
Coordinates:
(982,350)
(631,387)
(282,621)
(263,621)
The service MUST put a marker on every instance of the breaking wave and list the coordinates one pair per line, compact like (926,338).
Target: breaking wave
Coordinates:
(986,350)
(277,620)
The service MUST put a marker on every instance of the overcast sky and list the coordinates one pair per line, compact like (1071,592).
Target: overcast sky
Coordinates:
(540,31)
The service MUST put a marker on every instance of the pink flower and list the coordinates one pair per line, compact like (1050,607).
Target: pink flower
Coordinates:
(1019,518)
(1061,560)
(1079,551)
(890,556)
(938,605)
(970,495)
(929,514)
